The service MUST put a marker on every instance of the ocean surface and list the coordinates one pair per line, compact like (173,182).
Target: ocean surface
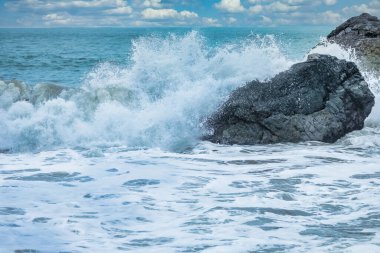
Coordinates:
(116,163)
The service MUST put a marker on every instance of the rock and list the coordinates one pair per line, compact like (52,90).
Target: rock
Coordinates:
(361,33)
(321,99)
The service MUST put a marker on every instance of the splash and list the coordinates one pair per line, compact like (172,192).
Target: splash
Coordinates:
(160,100)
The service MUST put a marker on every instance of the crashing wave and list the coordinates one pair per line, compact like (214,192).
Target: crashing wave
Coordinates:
(160,100)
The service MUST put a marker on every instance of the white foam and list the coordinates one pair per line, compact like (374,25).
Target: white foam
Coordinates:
(305,198)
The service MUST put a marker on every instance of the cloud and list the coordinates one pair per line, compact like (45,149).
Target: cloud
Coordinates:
(39,13)
(152,3)
(55,18)
(66,19)
(372,7)
(55,5)
(273,7)
(232,6)
(331,17)
(330,2)
(266,20)
(256,9)
(210,22)
(281,7)
(167,14)
(119,10)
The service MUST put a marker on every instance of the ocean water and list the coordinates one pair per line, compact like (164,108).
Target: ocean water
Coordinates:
(116,163)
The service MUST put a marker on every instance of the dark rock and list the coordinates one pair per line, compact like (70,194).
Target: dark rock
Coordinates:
(361,33)
(321,99)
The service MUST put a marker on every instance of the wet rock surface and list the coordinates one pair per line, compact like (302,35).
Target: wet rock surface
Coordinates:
(361,33)
(321,99)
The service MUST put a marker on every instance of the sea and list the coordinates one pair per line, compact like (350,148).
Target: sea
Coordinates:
(117,163)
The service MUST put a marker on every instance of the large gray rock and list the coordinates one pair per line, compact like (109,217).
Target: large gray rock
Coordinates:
(321,99)
(361,33)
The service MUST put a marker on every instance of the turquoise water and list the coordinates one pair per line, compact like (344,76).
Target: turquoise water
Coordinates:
(116,162)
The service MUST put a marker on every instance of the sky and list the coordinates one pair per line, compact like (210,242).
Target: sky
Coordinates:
(189,13)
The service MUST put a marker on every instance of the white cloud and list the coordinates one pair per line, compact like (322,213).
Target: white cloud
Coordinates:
(51,5)
(167,14)
(188,14)
(233,6)
(66,19)
(273,7)
(256,9)
(357,9)
(210,22)
(100,6)
(372,8)
(266,20)
(280,7)
(55,18)
(330,2)
(316,18)
(119,10)
(152,3)
(327,17)
(158,12)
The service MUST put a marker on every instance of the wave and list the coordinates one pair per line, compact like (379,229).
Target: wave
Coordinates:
(159,100)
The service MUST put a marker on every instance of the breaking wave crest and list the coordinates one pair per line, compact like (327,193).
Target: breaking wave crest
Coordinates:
(159,100)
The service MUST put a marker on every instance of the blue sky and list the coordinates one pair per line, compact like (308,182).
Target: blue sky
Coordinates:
(131,13)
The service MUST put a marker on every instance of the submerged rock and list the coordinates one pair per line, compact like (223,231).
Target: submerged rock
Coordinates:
(321,99)
(361,33)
